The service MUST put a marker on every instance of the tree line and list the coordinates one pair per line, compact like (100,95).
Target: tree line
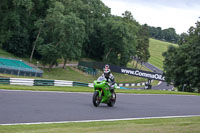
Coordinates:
(49,30)
(168,35)
(182,63)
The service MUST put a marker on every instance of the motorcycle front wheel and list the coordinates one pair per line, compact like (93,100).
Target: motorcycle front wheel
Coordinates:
(96,99)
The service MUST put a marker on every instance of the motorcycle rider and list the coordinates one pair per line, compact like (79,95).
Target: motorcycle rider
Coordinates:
(109,77)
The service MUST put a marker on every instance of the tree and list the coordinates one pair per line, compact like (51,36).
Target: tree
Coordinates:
(39,24)
(182,38)
(39,14)
(193,61)
(51,34)
(94,14)
(128,17)
(141,31)
(73,34)
(143,53)
(173,60)
(62,33)
(15,27)
(68,29)
(50,54)
(181,64)
(119,41)
(168,35)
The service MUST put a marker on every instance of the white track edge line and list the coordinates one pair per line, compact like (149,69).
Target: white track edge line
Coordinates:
(103,120)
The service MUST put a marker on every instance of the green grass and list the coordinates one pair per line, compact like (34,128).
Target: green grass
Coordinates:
(156,49)
(170,125)
(73,74)
(87,89)
(132,65)
(3,53)
(69,73)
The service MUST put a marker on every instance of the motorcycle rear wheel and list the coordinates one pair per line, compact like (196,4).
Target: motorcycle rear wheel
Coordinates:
(112,100)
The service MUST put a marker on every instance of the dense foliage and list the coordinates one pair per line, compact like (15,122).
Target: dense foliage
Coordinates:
(168,35)
(49,30)
(181,64)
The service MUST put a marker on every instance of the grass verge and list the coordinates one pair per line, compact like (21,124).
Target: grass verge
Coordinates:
(169,125)
(87,89)
(156,49)
(73,74)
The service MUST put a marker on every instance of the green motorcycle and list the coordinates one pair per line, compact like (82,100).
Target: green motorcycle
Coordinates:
(102,93)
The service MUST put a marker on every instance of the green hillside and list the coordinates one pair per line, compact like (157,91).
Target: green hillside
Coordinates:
(156,49)
(3,53)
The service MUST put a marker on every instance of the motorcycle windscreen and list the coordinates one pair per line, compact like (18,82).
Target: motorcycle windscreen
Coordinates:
(102,78)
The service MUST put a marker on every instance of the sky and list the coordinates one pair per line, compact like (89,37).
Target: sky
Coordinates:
(178,14)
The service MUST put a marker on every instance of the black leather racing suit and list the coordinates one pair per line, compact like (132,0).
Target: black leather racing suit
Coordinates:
(111,81)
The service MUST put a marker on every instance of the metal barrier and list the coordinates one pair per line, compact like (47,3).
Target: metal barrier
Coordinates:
(63,83)
(45,82)
(21,81)
(80,84)
(4,80)
(40,82)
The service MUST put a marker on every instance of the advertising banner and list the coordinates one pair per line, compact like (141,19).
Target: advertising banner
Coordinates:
(124,70)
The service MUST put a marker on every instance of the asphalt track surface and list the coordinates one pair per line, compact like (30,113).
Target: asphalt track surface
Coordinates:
(31,107)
